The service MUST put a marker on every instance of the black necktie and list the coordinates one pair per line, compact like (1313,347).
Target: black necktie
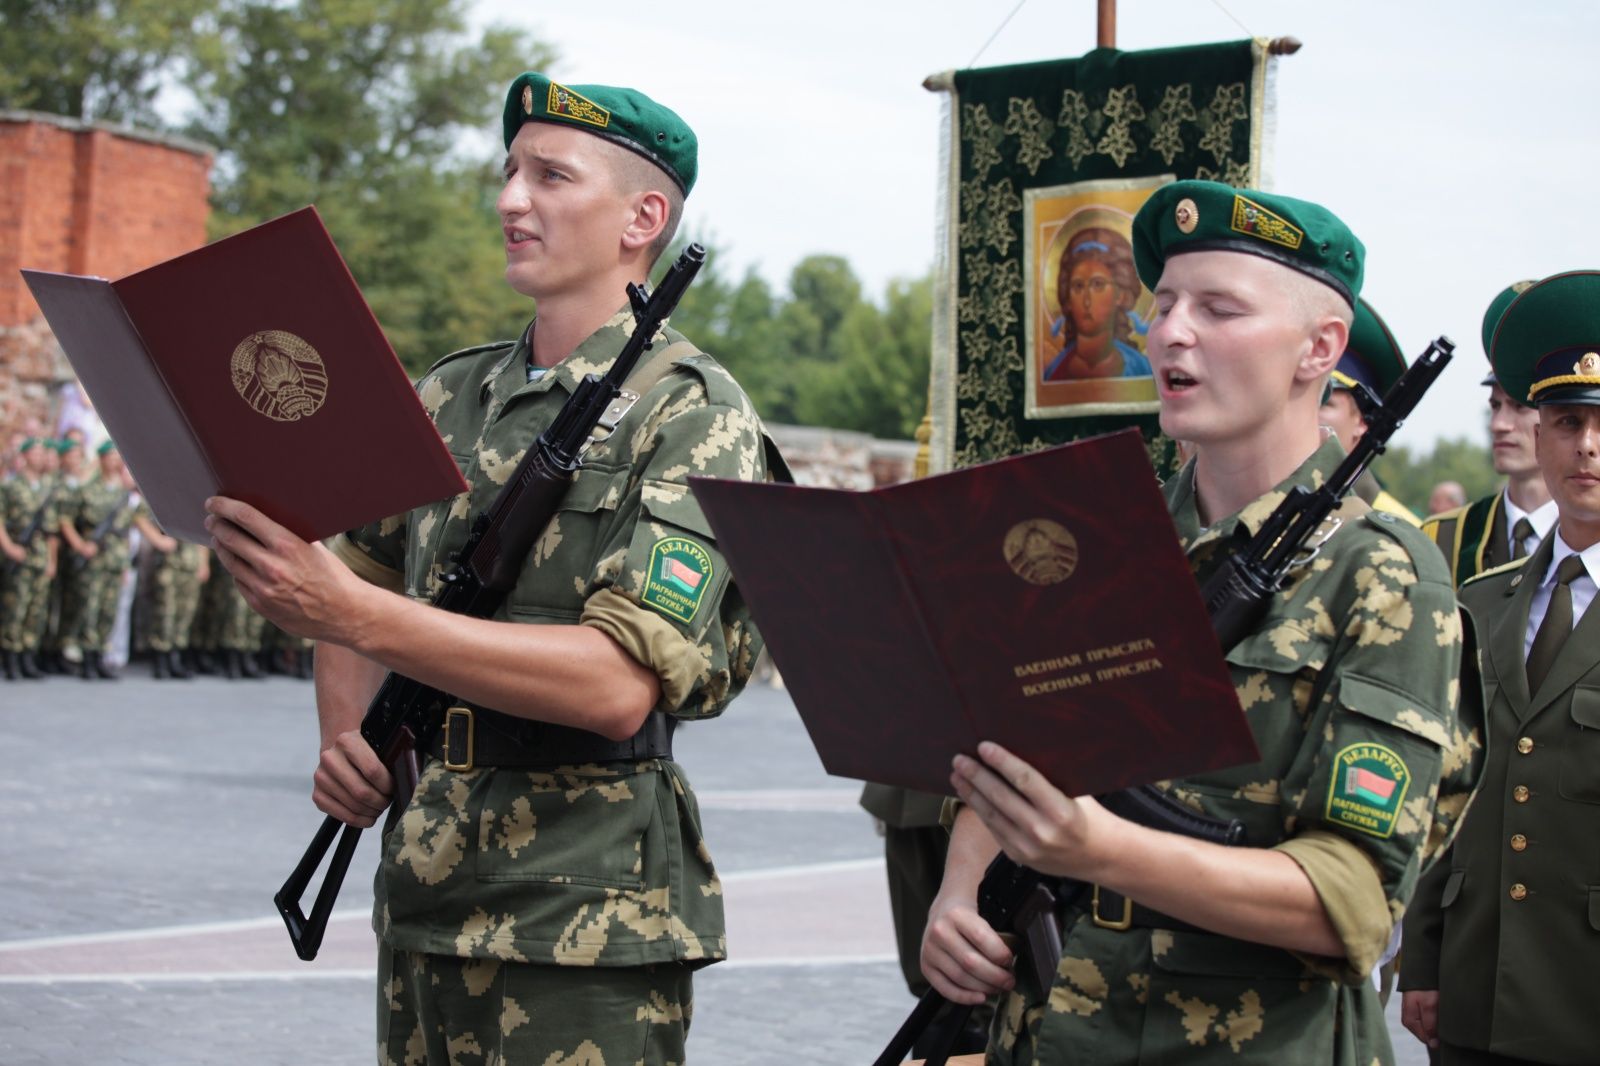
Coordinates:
(1519,538)
(1557,624)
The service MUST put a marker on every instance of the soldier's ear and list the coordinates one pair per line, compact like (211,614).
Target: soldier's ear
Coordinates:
(1328,337)
(651,211)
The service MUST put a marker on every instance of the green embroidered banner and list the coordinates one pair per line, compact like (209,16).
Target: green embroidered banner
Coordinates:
(1039,318)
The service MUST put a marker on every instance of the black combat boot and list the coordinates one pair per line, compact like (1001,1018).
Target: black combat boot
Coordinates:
(86,667)
(10,659)
(30,667)
(177,667)
(159,666)
(205,660)
(250,665)
(231,665)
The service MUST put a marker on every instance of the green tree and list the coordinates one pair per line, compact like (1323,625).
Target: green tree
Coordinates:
(358,106)
(98,60)
(1411,477)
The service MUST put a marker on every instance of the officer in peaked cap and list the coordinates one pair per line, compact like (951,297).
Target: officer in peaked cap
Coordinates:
(1509,524)
(1503,939)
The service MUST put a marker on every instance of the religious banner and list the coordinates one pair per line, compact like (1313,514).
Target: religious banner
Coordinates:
(1039,317)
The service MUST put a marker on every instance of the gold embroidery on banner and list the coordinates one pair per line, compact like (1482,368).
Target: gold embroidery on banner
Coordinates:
(279,375)
(1123,109)
(1074,118)
(1176,108)
(1034,132)
(1041,552)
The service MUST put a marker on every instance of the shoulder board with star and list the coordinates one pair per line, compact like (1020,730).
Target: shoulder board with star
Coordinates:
(1503,568)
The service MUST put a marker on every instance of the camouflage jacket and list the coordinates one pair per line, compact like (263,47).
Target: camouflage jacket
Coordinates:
(89,505)
(588,865)
(1350,688)
(21,501)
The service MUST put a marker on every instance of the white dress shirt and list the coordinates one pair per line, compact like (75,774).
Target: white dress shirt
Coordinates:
(1542,519)
(1583,588)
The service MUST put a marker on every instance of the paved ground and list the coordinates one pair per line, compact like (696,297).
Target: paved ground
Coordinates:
(147,825)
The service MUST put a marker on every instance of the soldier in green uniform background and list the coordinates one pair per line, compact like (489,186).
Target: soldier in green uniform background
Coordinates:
(1492,531)
(59,649)
(1263,953)
(28,542)
(546,894)
(239,631)
(98,530)
(1372,358)
(1503,939)
(178,573)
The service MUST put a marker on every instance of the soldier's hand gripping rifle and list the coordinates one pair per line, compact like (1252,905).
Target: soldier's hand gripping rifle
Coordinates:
(1019,902)
(24,540)
(102,529)
(404,715)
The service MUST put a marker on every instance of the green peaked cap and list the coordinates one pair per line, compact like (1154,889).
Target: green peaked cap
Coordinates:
(1371,356)
(1205,216)
(624,116)
(1546,347)
(1491,317)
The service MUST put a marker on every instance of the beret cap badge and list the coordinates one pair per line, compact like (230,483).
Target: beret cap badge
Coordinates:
(1186,215)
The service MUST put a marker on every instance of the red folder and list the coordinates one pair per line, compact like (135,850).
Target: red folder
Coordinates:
(251,368)
(1040,601)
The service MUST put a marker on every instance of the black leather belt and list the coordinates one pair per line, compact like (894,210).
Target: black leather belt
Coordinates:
(477,736)
(1113,910)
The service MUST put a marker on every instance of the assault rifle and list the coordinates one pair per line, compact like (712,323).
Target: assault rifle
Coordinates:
(24,540)
(405,714)
(102,529)
(1021,902)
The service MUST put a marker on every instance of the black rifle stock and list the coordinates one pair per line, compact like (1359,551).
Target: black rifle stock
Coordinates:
(1237,597)
(404,714)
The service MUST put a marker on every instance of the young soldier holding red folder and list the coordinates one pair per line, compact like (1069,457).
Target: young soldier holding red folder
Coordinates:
(1260,954)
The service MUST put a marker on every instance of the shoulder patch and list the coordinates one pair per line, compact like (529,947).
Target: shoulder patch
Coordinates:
(1367,788)
(495,346)
(680,571)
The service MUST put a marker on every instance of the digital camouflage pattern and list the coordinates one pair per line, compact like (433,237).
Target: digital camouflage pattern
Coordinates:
(25,586)
(485,1012)
(175,596)
(1350,686)
(238,627)
(586,866)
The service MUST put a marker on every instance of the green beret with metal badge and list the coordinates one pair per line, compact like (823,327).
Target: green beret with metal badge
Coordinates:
(622,116)
(1206,216)
(1546,347)
(105,446)
(28,444)
(1371,356)
(1491,317)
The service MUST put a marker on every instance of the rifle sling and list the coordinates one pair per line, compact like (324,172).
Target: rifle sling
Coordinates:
(644,377)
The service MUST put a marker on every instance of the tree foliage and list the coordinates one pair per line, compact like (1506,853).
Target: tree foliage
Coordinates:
(1410,476)
(98,60)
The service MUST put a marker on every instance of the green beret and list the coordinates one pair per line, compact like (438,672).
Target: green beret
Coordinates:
(1546,348)
(28,445)
(624,116)
(1491,317)
(1371,355)
(66,444)
(1207,216)
(105,446)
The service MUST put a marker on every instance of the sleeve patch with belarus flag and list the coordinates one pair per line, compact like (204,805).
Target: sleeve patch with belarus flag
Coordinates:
(1368,787)
(680,571)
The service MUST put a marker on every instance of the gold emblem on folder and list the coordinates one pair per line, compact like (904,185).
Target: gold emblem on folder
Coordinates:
(279,375)
(1041,552)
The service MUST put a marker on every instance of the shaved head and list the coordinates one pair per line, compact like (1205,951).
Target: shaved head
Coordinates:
(634,173)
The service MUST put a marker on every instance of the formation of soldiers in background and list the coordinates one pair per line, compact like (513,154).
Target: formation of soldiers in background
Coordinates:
(87,579)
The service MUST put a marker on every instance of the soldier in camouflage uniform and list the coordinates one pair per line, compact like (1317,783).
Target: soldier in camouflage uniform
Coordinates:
(27,540)
(60,645)
(239,632)
(179,573)
(546,894)
(98,530)
(1195,952)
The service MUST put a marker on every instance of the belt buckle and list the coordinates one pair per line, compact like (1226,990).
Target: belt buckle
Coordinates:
(1124,923)
(458,735)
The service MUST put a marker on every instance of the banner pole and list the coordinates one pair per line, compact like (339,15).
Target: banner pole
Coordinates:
(1107,24)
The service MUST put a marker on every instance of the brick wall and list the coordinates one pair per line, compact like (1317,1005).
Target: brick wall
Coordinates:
(83,199)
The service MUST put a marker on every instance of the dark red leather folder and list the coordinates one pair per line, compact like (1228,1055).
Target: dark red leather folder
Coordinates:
(1040,601)
(251,368)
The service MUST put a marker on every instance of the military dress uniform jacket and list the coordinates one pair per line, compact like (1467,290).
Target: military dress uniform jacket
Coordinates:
(1473,538)
(1508,928)
(589,865)
(1349,686)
